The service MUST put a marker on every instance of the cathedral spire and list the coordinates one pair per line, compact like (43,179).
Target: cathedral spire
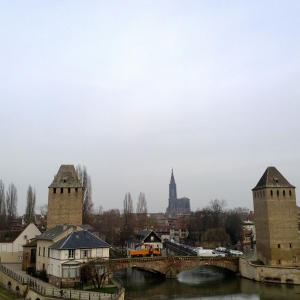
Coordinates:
(172,181)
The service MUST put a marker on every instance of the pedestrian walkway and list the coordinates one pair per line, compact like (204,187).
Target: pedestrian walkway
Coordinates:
(17,268)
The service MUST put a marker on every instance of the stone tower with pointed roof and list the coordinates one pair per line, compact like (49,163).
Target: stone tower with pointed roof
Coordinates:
(275,214)
(176,206)
(65,198)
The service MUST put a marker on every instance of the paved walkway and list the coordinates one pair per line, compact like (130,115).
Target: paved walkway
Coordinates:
(17,268)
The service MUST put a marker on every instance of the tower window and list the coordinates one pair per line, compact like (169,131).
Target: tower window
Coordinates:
(61,190)
(69,190)
(283,193)
(76,190)
(290,193)
(290,245)
(278,246)
(54,191)
(277,193)
(271,193)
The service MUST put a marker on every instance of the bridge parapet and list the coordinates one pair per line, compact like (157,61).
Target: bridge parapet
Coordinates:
(171,266)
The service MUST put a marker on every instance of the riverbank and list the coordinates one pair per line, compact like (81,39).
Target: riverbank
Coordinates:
(275,274)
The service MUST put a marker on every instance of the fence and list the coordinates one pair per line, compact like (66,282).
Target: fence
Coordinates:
(68,294)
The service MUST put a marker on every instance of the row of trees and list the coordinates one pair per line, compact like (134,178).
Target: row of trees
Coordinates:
(9,202)
(215,224)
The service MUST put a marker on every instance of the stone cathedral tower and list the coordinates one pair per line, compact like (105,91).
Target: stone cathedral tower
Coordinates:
(65,198)
(176,206)
(275,212)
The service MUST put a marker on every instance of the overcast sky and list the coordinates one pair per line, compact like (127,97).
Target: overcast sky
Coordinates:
(132,89)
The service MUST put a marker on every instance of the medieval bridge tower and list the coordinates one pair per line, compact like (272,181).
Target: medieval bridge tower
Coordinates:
(65,198)
(275,210)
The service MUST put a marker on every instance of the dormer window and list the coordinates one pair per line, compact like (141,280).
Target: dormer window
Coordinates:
(65,179)
(275,180)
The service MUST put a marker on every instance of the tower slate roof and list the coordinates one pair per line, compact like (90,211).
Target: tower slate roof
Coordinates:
(66,177)
(172,180)
(272,178)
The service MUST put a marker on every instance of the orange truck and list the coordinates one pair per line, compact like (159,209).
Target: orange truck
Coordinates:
(144,250)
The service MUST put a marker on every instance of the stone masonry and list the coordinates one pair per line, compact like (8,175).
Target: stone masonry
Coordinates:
(65,198)
(277,236)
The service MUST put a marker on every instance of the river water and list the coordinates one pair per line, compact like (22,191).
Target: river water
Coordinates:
(206,283)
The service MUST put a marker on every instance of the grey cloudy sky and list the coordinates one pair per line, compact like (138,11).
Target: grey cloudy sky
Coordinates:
(132,89)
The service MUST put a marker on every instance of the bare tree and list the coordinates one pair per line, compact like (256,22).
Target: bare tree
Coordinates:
(97,271)
(30,207)
(2,205)
(108,225)
(88,205)
(216,207)
(129,221)
(141,211)
(11,203)
(141,204)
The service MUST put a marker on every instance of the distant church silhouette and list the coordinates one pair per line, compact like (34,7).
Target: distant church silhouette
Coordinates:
(176,206)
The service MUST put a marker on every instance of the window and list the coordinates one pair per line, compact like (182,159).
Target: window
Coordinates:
(99,252)
(39,251)
(152,238)
(3,248)
(20,257)
(271,193)
(290,193)
(20,248)
(283,193)
(62,190)
(85,253)
(48,252)
(71,253)
(278,245)
(54,191)
(69,190)
(76,190)
(277,193)
(44,251)
(290,245)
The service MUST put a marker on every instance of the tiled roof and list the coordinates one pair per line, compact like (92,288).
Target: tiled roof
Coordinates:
(80,240)
(66,177)
(53,232)
(8,236)
(272,178)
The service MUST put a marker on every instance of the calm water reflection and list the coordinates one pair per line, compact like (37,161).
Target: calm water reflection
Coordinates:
(207,283)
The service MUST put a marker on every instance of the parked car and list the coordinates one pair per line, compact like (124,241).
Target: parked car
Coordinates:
(236,252)
(221,249)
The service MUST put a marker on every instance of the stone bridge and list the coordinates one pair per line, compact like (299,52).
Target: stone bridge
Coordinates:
(172,265)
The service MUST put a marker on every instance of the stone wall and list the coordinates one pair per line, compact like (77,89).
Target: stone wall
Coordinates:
(278,274)
(64,206)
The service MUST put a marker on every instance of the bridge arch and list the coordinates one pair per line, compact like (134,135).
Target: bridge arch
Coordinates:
(171,266)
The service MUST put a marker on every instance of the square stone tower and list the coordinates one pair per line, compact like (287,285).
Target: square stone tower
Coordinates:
(65,198)
(275,215)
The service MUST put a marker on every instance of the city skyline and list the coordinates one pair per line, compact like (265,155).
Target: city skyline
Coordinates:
(133,89)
